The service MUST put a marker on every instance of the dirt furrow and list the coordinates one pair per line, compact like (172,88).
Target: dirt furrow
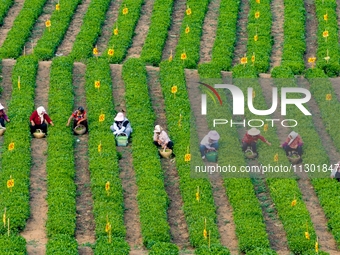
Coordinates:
(311,30)
(39,27)
(127,174)
(224,211)
(141,30)
(277,9)
(176,218)
(107,28)
(66,46)
(85,223)
(174,32)
(35,231)
(9,19)
(209,31)
(242,36)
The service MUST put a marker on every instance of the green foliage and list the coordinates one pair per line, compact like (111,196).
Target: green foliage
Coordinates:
(283,187)
(214,249)
(90,29)
(118,246)
(294,45)
(60,21)
(164,249)
(327,45)
(17,163)
(158,31)
(223,50)
(61,189)
(4,7)
(262,48)
(104,165)
(13,244)
(190,43)
(126,26)
(195,212)
(21,30)
(247,213)
(152,198)
(61,245)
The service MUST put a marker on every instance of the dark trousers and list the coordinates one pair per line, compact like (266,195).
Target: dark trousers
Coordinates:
(2,122)
(252,146)
(169,146)
(203,148)
(84,123)
(287,148)
(43,128)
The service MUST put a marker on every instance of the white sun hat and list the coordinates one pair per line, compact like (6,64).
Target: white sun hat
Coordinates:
(157,129)
(253,131)
(213,135)
(1,107)
(119,117)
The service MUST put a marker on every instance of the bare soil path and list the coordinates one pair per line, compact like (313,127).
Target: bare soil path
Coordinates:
(326,240)
(35,231)
(176,218)
(311,30)
(174,32)
(242,36)
(85,223)
(141,30)
(277,8)
(209,31)
(111,17)
(66,46)
(225,222)
(9,19)
(127,174)
(39,27)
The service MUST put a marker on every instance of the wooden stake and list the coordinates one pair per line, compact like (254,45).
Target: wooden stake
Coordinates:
(8,226)
(209,238)
(24,51)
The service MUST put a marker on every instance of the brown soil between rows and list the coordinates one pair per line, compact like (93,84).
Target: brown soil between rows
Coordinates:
(65,47)
(39,27)
(277,32)
(178,226)
(209,31)
(242,36)
(107,28)
(311,30)
(174,31)
(224,211)
(141,30)
(127,174)
(35,231)
(9,19)
(85,223)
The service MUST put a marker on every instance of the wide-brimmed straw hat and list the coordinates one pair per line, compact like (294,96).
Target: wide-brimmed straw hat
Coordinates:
(119,117)
(1,107)
(213,135)
(254,131)
(158,129)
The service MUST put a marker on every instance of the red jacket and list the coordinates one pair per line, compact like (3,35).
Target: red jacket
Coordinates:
(36,119)
(249,139)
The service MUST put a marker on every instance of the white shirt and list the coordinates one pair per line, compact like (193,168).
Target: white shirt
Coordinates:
(208,142)
(163,137)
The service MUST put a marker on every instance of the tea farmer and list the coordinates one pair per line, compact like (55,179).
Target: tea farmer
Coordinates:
(121,125)
(161,138)
(336,171)
(250,139)
(3,116)
(79,118)
(209,142)
(39,120)
(293,143)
